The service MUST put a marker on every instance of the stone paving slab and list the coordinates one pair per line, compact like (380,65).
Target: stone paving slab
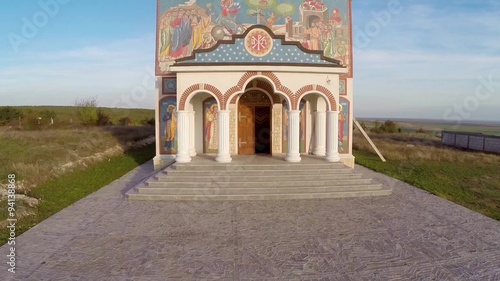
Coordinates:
(409,235)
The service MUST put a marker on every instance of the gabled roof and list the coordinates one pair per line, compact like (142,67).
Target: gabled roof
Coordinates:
(234,52)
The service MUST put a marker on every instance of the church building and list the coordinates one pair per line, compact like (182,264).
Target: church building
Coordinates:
(266,77)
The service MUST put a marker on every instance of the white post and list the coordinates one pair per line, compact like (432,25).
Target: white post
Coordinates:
(332,138)
(320,134)
(293,154)
(192,131)
(183,137)
(224,156)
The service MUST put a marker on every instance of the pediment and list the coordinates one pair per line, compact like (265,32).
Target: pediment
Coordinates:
(258,45)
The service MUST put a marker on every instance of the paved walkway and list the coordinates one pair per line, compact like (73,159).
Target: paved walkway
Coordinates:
(410,235)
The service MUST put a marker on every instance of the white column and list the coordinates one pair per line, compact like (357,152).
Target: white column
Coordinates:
(183,137)
(157,160)
(192,130)
(293,154)
(159,86)
(224,156)
(320,134)
(332,136)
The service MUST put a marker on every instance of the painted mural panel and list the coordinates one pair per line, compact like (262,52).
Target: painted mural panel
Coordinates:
(169,86)
(284,144)
(168,125)
(302,134)
(344,126)
(210,126)
(199,24)
(302,127)
(342,87)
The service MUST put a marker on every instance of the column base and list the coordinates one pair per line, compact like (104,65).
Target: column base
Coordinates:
(320,151)
(224,158)
(335,157)
(294,158)
(162,161)
(183,158)
(192,153)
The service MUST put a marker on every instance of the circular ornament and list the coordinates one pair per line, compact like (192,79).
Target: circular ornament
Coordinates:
(258,42)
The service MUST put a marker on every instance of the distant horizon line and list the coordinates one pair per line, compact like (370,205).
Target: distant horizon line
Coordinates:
(423,119)
(433,120)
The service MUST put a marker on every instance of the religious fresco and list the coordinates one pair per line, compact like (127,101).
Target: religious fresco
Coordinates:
(302,127)
(168,125)
(210,126)
(344,126)
(199,24)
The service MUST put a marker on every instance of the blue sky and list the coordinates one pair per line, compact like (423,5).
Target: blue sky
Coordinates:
(413,59)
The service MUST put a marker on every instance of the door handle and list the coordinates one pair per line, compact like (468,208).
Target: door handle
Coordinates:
(241,116)
(241,142)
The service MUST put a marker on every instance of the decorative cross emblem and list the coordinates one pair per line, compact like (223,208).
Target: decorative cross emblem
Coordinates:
(258,42)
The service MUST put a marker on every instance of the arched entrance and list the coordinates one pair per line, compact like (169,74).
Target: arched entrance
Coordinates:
(254,123)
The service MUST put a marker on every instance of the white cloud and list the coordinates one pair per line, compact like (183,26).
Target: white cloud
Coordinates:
(109,71)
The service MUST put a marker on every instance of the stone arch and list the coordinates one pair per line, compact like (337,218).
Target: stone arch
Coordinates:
(319,90)
(191,91)
(260,85)
(266,87)
(268,78)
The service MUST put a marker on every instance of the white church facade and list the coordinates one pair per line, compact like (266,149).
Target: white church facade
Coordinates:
(261,77)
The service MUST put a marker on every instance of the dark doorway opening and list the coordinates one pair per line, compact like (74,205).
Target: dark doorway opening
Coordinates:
(262,130)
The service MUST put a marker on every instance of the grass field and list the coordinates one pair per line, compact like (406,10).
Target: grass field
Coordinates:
(470,179)
(68,115)
(435,126)
(36,156)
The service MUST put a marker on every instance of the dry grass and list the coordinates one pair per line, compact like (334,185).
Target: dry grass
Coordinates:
(464,177)
(35,156)
(419,147)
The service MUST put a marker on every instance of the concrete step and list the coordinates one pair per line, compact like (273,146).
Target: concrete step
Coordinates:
(266,167)
(271,180)
(264,178)
(212,191)
(208,172)
(263,184)
(267,196)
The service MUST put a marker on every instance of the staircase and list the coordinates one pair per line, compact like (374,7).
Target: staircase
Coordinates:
(258,179)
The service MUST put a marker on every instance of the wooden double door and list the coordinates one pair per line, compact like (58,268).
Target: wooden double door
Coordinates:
(254,129)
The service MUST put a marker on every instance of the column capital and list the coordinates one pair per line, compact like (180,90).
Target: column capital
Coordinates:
(293,111)
(224,111)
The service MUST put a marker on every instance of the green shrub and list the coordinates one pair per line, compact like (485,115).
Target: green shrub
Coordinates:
(387,127)
(87,111)
(7,114)
(146,121)
(125,121)
(103,119)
